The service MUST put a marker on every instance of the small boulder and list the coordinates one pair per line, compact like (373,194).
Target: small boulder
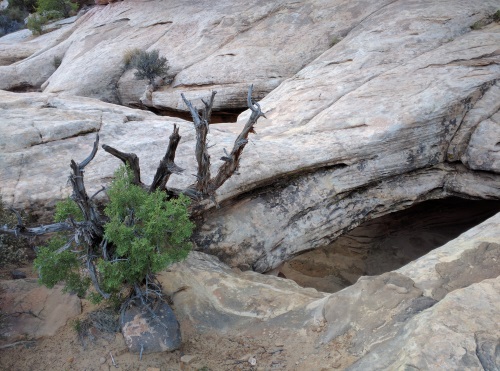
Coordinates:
(17,274)
(158,332)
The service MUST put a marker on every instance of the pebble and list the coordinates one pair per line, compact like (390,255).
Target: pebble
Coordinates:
(102,360)
(187,358)
(252,361)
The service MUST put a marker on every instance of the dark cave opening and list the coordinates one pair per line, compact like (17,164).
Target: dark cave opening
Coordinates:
(387,243)
(218,116)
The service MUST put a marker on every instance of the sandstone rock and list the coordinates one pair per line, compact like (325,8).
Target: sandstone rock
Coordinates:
(459,332)
(17,274)
(148,333)
(387,243)
(40,311)
(470,258)
(209,296)
(389,321)
(340,145)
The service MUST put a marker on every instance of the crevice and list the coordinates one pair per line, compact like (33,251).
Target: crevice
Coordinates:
(76,135)
(487,351)
(469,103)
(24,87)
(218,116)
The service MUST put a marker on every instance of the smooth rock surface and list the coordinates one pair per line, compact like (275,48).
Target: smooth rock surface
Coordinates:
(402,109)
(391,321)
(459,332)
(36,311)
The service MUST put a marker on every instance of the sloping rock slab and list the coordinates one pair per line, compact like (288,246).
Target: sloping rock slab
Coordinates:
(209,296)
(459,333)
(36,311)
(147,332)
(380,322)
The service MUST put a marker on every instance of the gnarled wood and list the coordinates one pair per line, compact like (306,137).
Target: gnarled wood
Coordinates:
(232,160)
(167,165)
(129,159)
(201,126)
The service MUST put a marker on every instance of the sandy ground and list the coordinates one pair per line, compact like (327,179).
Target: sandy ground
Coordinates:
(65,350)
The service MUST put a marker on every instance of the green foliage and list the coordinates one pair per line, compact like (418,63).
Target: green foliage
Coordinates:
(12,250)
(35,23)
(54,266)
(26,5)
(149,65)
(148,231)
(67,209)
(129,57)
(145,233)
(64,7)
(76,324)
(496,16)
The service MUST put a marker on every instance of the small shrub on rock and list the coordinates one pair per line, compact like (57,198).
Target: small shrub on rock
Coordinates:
(35,23)
(149,65)
(129,57)
(64,7)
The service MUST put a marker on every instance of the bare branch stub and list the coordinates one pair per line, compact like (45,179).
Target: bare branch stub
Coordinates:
(201,125)
(129,159)
(93,230)
(167,165)
(232,160)
(36,231)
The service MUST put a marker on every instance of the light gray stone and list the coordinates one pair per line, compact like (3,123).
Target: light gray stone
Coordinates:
(33,310)
(400,110)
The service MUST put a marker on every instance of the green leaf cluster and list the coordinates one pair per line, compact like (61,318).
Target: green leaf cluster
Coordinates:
(148,231)
(54,267)
(67,209)
(149,65)
(145,233)
(64,7)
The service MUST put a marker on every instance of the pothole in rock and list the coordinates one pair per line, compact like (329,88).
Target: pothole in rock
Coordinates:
(387,243)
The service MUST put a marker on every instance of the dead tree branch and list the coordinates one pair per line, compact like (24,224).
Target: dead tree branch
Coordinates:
(201,126)
(88,234)
(129,159)
(167,165)
(232,160)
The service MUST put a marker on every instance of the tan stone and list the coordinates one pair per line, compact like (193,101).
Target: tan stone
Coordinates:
(42,311)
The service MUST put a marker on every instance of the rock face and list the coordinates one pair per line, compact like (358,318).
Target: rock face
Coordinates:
(34,311)
(387,243)
(148,333)
(402,106)
(441,311)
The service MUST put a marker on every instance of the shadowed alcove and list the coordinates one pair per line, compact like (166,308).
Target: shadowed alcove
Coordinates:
(387,243)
